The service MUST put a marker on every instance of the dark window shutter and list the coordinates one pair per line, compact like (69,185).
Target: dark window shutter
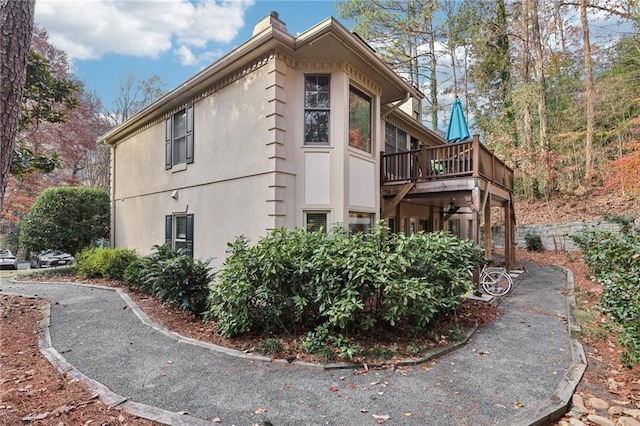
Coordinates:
(189,242)
(168,221)
(167,147)
(190,134)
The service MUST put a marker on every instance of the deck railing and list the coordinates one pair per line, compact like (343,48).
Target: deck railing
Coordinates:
(446,161)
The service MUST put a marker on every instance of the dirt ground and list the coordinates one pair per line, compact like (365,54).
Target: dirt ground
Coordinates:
(33,392)
(590,207)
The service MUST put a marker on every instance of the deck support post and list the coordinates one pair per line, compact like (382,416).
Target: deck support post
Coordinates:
(475,222)
(399,218)
(509,243)
(487,227)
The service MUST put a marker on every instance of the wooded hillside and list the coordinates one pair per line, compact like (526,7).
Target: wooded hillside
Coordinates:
(551,86)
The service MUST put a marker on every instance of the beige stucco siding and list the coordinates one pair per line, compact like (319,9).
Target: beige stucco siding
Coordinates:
(252,171)
(222,212)
(232,187)
(230,140)
(335,178)
(363,185)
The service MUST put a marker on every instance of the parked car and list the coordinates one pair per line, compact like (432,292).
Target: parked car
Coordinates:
(8,260)
(50,258)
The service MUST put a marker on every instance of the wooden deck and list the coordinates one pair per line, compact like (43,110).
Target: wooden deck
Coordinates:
(436,163)
(463,179)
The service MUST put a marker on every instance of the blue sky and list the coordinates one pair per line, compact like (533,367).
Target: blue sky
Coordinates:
(173,39)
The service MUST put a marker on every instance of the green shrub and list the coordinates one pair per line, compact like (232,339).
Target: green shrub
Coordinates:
(533,242)
(67,219)
(90,262)
(173,277)
(614,261)
(338,284)
(118,263)
(104,262)
(135,274)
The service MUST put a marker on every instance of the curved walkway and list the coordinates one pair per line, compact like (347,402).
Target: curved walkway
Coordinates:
(521,369)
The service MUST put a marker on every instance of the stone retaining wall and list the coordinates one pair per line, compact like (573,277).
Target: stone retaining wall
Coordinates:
(554,236)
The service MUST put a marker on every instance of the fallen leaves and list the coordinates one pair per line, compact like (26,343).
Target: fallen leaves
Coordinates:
(260,410)
(381,418)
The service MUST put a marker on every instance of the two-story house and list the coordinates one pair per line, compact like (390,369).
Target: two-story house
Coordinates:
(283,131)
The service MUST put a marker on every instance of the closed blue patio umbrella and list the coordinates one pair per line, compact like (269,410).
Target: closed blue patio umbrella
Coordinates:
(457,131)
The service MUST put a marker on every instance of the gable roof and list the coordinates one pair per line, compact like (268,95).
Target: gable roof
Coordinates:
(328,40)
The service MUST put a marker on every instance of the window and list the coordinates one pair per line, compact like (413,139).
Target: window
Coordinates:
(359,120)
(395,139)
(179,232)
(316,109)
(360,222)
(314,221)
(179,138)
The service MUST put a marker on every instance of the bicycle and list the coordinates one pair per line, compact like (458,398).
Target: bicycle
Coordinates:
(495,280)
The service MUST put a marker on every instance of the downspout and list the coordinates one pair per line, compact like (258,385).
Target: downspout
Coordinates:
(112,243)
(396,106)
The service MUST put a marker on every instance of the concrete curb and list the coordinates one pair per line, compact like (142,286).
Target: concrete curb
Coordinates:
(556,405)
(104,393)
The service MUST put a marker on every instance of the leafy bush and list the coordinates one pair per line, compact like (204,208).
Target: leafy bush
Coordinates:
(67,219)
(118,263)
(105,262)
(173,277)
(614,261)
(337,285)
(533,242)
(90,262)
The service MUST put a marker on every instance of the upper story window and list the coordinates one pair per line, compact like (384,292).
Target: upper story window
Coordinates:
(316,109)
(359,120)
(179,138)
(395,139)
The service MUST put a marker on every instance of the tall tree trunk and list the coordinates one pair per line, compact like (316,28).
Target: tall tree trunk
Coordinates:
(506,85)
(16,28)
(542,97)
(589,94)
(433,80)
(540,77)
(527,117)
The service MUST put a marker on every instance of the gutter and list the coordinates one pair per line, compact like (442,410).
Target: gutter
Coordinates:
(397,105)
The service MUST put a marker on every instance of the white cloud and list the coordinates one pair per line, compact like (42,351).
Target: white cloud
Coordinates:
(89,29)
(187,57)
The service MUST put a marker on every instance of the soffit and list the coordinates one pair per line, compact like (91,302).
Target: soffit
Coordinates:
(330,41)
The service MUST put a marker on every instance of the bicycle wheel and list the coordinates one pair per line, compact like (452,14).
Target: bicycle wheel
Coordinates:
(496,282)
